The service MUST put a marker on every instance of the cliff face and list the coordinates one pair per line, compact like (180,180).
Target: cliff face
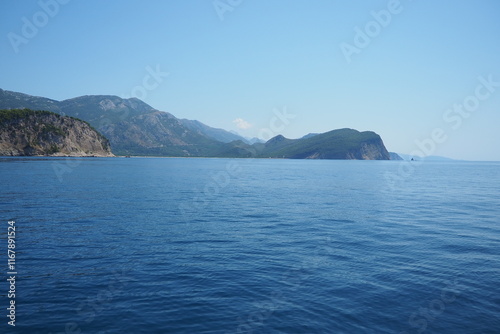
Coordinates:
(337,144)
(33,133)
(374,150)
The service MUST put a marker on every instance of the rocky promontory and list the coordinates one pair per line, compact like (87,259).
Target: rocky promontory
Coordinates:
(25,132)
(345,144)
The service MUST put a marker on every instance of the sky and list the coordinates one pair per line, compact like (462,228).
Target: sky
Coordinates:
(423,74)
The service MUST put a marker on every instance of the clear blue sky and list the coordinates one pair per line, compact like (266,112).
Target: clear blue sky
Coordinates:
(272,54)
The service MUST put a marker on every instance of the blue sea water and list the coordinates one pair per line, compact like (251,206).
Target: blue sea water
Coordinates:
(164,245)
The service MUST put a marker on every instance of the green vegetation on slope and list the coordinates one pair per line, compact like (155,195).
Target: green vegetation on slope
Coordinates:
(7,116)
(336,144)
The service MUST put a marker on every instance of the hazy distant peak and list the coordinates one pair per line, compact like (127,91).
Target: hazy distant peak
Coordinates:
(276,139)
(309,135)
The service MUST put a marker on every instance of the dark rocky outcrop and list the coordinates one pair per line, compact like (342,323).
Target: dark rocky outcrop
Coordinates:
(25,132)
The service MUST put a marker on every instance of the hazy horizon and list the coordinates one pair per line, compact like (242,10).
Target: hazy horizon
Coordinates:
(423,75)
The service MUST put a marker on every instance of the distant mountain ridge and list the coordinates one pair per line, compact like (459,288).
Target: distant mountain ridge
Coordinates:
(395,156)
(135,128)
(408,157)
(217,134)
(14,100)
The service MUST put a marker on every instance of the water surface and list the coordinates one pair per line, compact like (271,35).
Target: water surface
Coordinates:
(154,245)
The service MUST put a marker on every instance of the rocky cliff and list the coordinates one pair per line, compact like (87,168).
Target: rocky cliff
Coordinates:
(25,132)
(336,144)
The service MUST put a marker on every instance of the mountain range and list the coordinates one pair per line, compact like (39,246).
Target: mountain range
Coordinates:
(135,128)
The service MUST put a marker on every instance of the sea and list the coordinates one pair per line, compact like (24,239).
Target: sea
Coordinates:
(198,245)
